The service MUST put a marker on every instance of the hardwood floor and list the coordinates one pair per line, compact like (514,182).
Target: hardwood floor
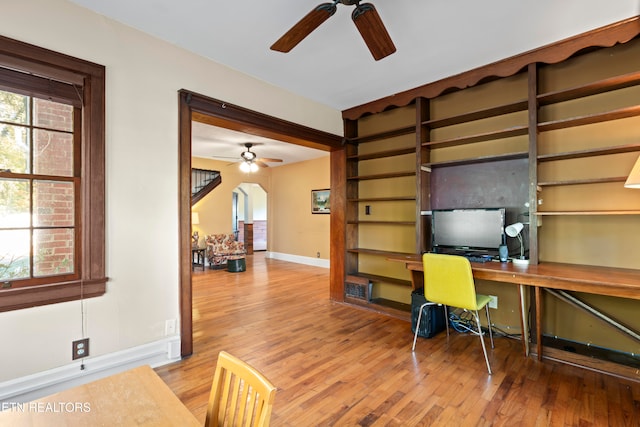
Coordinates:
(336,365)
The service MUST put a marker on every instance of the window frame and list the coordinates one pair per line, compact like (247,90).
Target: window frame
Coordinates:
(60,73)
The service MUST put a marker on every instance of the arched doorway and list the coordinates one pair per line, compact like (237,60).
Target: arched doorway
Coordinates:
(249,210)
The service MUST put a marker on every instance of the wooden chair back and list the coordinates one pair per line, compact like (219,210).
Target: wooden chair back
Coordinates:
(240,395)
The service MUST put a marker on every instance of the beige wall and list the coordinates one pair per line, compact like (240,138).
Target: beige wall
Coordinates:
(143,76)
(293,229)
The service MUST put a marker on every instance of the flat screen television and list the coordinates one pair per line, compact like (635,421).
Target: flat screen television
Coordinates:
(479,230)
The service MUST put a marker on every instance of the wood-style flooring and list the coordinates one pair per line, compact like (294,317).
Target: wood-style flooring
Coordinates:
(336,365)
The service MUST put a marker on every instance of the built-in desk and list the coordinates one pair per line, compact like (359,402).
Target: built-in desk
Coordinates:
(618,282)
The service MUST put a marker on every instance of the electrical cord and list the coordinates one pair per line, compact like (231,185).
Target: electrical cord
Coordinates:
(462,321)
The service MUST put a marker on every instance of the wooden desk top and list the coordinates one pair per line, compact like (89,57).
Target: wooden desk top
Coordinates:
(619,282)
(137,397)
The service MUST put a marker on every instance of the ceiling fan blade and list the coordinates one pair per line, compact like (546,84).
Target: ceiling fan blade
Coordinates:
(266,159)
(373,31)
(261,164)
(304,27)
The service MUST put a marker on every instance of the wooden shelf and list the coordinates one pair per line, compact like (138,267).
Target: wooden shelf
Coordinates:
(487,136)
(384,199)
(594,88)
(583,181)
(586,213)
(405,130)
(378,252)
(381,176)
(392,304)
(385,279)
(482,159)
(383,154)
(382,222)
(589,153)
(621,113)
(478,114)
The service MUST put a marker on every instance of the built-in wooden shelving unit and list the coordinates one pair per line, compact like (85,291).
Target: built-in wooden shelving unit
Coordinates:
(534,121)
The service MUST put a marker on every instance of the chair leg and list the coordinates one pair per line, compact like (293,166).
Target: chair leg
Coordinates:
(484,348)
(446,318)
(415,335)
(489,325)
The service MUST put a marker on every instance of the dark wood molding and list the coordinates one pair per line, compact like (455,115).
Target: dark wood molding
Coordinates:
(184,226)
(33,296)
(338,223)
(90,78)
(610,35)
(196,107)
(219,113)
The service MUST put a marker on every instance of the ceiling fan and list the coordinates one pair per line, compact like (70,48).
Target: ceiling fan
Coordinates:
(250,161)
(365,16)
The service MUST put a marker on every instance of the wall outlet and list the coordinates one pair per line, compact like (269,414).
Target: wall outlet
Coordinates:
(170,327)
(494,301)
(318,255)
(80,349)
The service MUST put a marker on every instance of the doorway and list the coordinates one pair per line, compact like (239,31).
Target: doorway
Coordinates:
(249,206)
(195,107)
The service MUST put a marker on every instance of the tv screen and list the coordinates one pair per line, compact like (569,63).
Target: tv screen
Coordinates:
(462,229)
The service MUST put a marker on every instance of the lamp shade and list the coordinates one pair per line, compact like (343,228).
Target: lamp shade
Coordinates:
(633,181)
(514,229)
(195,218)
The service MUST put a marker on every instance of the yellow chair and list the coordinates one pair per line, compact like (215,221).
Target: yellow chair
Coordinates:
(240,395)
(448,281)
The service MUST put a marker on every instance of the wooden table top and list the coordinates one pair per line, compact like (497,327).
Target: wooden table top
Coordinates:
(620,282)
(137,397)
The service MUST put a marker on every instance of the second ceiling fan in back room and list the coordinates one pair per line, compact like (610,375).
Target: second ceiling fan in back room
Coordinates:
(250,161)
(365,16)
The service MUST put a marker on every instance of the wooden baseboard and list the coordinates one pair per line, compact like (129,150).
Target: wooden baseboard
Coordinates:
(590,363)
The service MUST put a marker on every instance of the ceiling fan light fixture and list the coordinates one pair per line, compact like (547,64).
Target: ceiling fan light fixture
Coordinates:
(248,167)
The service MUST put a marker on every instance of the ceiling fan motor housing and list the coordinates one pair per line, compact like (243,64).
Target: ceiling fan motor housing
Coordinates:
(248,155)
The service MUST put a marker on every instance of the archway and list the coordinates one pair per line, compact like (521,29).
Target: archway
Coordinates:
(249,211)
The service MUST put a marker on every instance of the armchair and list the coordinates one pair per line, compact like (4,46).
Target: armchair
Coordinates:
(220,247)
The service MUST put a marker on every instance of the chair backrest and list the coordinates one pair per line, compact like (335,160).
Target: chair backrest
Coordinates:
(448,280)
(240,395)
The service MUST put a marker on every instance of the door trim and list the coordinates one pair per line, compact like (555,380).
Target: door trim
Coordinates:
(196,107)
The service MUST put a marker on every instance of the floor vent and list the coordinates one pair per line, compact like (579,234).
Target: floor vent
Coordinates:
(358,288)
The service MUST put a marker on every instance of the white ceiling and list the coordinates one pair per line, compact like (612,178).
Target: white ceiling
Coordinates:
(225,144)
(434,38)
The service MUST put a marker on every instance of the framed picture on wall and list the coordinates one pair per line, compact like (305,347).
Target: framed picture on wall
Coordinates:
(320,201)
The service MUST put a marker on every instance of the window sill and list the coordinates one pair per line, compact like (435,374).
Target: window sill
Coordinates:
(33,296)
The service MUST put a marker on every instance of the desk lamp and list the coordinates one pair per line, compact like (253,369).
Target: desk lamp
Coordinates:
(514,230)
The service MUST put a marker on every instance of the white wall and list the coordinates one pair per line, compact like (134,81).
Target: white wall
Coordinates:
(143,76)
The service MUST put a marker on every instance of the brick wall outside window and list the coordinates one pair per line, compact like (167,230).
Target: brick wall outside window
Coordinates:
(53,201)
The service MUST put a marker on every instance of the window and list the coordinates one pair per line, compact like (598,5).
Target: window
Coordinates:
(51,177)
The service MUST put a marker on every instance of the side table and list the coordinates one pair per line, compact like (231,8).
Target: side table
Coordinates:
(197,257)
